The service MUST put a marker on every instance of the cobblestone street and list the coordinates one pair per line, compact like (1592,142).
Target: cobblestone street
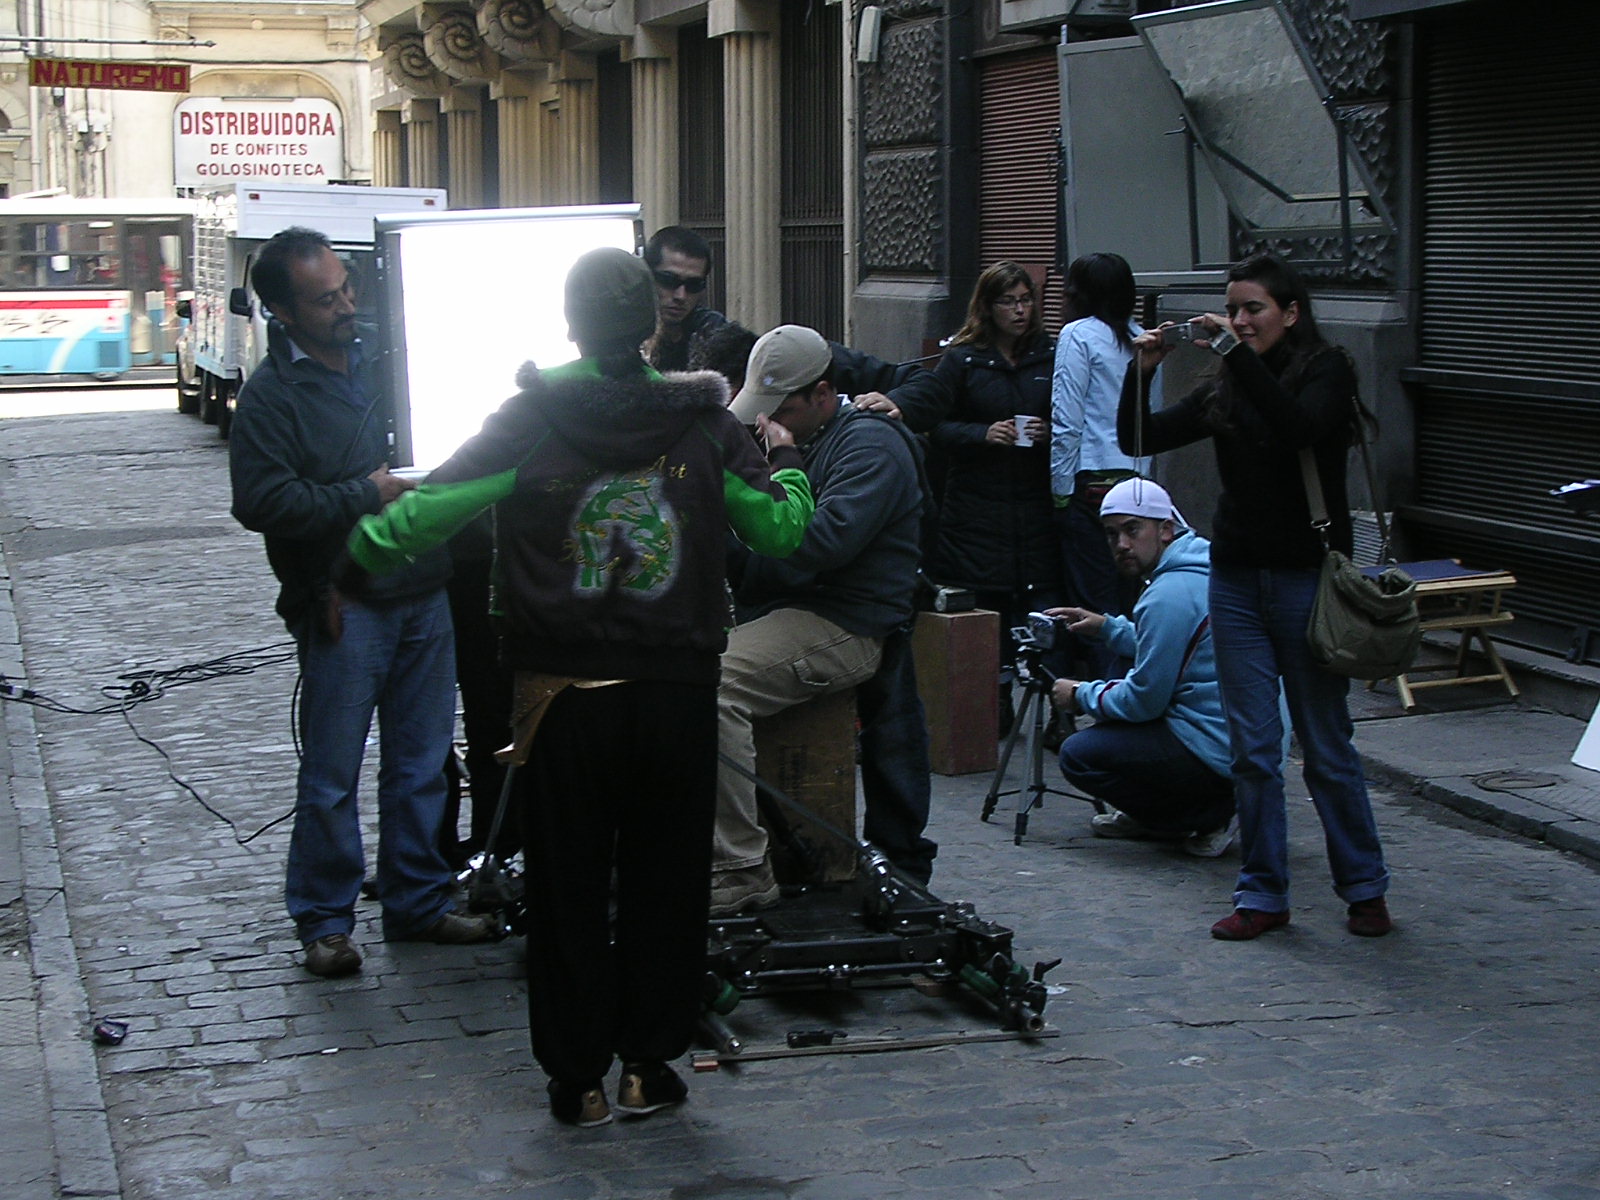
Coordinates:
(1455,1059)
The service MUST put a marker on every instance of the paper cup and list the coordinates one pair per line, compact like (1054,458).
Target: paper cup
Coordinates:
(1021,422)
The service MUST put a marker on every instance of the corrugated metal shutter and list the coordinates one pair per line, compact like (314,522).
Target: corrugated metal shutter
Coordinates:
(1019,106)
(1508,393)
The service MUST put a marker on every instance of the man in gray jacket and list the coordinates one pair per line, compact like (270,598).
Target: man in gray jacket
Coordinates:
(814,622)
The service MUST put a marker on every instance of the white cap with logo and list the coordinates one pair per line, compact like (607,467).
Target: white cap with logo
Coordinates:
(783,360)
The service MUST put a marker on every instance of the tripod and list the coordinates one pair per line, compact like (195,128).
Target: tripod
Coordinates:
(1033,714)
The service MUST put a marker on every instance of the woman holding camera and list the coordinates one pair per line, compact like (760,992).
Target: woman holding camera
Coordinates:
(996,535)
(1280,388)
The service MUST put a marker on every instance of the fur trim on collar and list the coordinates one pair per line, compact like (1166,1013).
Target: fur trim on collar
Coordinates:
(609,399)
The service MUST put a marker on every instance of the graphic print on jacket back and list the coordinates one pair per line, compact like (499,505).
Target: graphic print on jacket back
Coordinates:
(625,535)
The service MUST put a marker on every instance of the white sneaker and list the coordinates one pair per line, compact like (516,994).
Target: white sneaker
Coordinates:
(1117,824)
(1214,844)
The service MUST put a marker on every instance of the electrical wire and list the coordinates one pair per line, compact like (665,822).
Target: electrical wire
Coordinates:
(139,687)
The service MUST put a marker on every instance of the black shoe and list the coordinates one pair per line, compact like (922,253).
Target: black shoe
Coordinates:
(580,1104)
(647,1087)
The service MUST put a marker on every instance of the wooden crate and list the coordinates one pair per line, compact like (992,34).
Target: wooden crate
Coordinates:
(957,657)
(809,753)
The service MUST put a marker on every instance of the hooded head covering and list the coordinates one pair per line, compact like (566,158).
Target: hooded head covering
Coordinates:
(610,299)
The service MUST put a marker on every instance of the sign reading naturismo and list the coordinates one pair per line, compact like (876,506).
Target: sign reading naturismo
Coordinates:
(113,75)
(217,140)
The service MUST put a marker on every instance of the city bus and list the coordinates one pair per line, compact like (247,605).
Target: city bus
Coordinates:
(90,286)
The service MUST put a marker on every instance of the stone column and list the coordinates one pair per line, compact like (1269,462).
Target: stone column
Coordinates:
(463,114)
(579,123)
(515,94)
(386,157)
(749,33)
(421,119)
(654,59)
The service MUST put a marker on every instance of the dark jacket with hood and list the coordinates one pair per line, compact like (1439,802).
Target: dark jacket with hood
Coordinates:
(919,394)
(996,524)
(612,500)
(299,454)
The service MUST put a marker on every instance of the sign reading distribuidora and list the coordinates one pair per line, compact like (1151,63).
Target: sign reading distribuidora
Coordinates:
(218,140)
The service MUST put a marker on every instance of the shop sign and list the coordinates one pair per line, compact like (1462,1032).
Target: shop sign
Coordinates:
(217,140)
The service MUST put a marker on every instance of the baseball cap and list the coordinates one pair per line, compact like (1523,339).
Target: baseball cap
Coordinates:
(610,298)
(783,360)
(1138,497)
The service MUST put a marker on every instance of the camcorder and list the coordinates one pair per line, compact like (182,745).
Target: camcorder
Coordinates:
(1039,633)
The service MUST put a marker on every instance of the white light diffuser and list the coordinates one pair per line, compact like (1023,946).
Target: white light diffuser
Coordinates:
(472,296)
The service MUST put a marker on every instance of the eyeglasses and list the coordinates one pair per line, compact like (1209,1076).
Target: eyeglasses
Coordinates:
(1014,302)
(693,284)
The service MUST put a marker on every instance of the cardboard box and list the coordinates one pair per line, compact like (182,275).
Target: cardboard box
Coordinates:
(808,752)
(958,675)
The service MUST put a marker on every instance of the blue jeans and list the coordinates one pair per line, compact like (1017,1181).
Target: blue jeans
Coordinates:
(396,658)
(1145,771)
(1258,624)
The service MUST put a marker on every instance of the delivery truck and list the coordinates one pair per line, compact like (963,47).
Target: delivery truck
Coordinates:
(226,334)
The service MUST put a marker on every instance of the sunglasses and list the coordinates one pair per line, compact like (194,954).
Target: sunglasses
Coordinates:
(693,284)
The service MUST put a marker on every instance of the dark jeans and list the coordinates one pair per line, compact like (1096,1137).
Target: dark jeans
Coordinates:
(621,777)
(1145,771)
(1258,624)
(895,773)
(1093,581)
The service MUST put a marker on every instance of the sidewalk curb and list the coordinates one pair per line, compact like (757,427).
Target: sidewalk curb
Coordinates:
(1516,813)
(84,1158)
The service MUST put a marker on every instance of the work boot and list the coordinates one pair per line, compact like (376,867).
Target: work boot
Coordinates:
(332,956)
(456,929)
(743,890)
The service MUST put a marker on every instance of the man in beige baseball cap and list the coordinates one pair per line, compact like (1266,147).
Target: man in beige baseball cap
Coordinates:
(785,362)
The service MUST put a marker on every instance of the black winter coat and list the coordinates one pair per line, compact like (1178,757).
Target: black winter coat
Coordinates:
(996,523)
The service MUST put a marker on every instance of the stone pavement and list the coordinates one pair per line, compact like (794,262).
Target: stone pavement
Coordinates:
(1452,1059)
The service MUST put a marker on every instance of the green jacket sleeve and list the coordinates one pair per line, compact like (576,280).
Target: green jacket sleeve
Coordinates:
(769,524)
(423,518)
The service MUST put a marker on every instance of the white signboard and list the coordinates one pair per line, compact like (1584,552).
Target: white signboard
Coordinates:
(216,140)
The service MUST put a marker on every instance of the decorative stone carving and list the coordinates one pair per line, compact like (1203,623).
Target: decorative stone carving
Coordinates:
(902,215)
(608,18)
(912,8)
(405,60)
(454,46)
(518,30)
(902,97)
(1372,256)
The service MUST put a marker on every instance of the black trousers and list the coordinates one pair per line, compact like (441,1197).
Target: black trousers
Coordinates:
(895,783)
(625,777)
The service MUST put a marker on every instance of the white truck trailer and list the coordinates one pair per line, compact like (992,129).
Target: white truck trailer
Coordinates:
(226,336)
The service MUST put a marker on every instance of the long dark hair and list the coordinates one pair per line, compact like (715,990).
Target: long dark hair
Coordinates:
(1302,341)
(1101,286)
(999,279)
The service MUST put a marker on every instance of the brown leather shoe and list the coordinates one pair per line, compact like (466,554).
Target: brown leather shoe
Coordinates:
(1243,924)
(1369,918)
(333,956)
(456,929)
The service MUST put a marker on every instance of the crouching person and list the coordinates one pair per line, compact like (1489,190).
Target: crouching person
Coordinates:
(613,487)
(1158,752)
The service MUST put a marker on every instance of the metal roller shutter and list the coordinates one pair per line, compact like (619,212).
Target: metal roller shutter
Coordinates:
(1508,393)
(1019,106)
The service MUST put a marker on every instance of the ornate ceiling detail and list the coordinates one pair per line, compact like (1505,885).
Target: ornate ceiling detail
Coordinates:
(454,46)
(519,30)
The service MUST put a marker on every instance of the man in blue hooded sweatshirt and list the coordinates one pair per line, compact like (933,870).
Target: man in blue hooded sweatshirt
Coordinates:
(1158,751)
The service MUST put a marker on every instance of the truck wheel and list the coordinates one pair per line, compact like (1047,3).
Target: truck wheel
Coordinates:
(188,394)
(209,387)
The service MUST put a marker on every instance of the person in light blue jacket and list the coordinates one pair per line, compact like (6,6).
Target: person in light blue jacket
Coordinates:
(1158,752)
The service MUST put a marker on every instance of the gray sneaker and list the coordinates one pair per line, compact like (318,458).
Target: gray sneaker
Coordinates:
(333,956)
(734,892)
(1214,844)
(1117,824)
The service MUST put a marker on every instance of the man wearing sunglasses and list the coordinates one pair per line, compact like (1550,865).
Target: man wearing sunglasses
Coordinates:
(680,260)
